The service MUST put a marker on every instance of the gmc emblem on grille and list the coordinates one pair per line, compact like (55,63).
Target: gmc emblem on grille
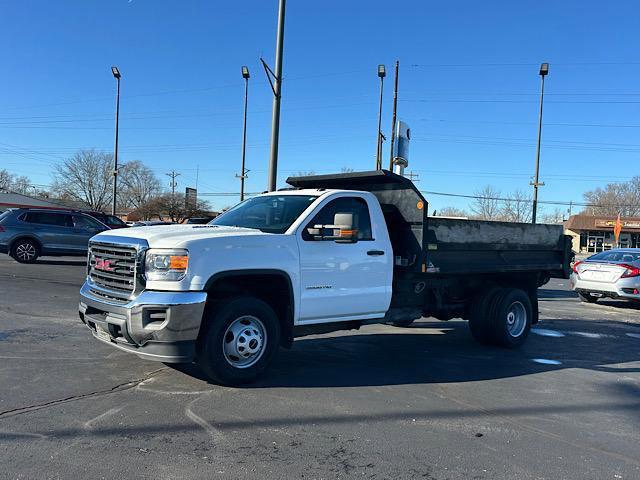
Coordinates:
(104,264)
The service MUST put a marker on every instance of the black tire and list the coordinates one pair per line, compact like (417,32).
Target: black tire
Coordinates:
(213,354)
(587,298)
(511,315)
(479,322)
(25,250)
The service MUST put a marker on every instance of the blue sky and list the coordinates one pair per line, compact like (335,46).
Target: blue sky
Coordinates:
(468,88)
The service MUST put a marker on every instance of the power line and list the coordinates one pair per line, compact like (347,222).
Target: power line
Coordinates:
(519,64)
(507,199)
(560,124)
(459,100)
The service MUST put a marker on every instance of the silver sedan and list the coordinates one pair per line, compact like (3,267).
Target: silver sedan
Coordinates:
(613,274)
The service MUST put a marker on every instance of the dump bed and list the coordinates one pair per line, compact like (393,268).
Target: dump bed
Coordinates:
(475,246)
(451,246)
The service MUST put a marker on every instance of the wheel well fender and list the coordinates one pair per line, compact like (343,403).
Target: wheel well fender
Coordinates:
(272,286)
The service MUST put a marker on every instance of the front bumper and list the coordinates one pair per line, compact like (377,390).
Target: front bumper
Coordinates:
(623,288)
(161,326)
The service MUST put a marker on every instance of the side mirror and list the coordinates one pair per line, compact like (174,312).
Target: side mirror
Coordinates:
(341,231)
(346,233)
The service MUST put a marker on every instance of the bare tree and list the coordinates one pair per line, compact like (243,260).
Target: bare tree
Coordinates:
(555,217)
(21,184)
(615,198)
(486,206)
(6,179)
(517,208)
(138,184)
(302,173)
(346,170)
(13,183)
(172,207)
(86,177)
(451,212)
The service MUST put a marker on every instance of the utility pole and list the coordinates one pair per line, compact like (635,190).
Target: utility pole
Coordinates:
(277,89)
(544,71)
(393,123)
(173,174)
(116,75)
(381,73)
(414,177)
(243,170)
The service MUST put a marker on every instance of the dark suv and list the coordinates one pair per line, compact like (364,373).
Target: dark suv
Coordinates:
(27,233)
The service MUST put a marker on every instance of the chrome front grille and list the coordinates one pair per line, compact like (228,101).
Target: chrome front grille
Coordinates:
(113,270)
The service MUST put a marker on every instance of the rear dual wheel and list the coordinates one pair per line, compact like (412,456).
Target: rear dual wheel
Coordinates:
(501,316)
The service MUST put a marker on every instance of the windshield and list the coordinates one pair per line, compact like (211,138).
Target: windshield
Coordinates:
(112,220)
(270,213)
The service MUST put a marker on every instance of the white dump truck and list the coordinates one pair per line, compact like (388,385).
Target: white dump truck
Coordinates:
(333,252)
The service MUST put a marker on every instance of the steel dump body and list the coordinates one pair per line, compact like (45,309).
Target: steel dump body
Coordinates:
(473,246)
(443,246)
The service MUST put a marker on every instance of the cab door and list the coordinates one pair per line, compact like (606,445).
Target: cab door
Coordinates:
(344,281)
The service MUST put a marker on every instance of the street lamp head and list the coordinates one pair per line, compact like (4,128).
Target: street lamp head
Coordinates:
(381,71)
(116,72)
(544,69)
(245,72)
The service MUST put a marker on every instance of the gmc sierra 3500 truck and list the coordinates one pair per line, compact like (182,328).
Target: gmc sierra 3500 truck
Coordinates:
(332,253)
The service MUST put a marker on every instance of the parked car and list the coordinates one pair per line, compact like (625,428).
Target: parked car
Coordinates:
(613,274)
(28,233)
(110,221)
(199,220)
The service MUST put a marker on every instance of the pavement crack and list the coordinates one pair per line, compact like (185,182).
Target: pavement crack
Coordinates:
(121,387)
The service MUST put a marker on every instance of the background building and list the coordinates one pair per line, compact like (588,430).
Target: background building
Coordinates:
(17,200)
(592,234)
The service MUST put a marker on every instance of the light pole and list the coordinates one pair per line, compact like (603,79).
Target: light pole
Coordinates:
(393,123)
(116,74)
(243,171)
(544,71)
(277,89)
(381,73)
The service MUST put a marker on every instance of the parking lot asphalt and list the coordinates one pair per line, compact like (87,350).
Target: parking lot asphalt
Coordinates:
(380,402)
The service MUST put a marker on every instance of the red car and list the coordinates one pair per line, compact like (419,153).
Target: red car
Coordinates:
(110,221)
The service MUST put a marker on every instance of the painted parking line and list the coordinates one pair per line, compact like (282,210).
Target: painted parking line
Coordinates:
(545,332)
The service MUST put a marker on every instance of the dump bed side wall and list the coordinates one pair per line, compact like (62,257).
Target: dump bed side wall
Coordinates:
(474,246)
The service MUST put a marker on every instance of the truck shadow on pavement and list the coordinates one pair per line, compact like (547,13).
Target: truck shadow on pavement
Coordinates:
(439,352)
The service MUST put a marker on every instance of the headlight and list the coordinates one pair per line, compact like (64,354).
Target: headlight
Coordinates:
(166,264)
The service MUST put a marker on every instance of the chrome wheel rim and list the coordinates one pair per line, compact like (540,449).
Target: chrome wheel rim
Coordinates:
(516,319)
(26,251)
(244,341)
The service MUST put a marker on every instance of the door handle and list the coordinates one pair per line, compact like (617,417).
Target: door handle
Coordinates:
(375,253)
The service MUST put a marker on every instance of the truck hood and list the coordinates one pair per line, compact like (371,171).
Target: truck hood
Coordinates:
(169,236)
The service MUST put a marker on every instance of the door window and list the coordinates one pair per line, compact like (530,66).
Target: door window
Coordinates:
(352,205)
(87,223)
(48,218)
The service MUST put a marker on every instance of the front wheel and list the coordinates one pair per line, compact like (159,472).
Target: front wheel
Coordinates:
(240,339)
